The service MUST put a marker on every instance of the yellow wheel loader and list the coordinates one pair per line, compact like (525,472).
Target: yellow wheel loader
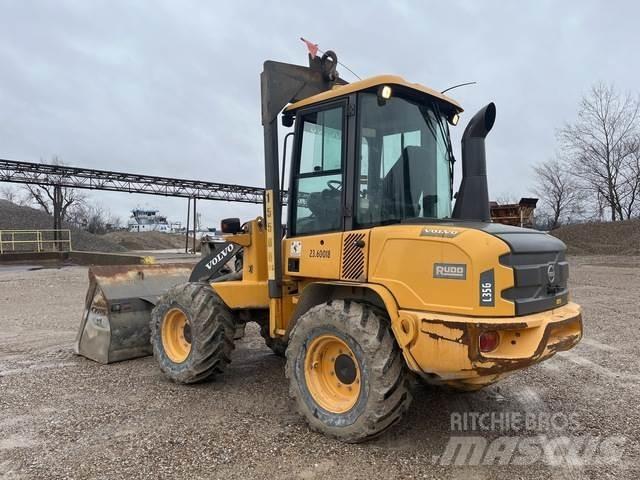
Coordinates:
(374,276)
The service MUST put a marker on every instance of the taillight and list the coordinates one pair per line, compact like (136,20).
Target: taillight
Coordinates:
(489,341)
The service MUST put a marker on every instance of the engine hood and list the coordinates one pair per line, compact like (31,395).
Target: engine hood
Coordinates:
(524,267)
(520,240)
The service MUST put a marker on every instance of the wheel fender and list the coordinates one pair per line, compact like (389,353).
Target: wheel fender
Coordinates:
(404,329)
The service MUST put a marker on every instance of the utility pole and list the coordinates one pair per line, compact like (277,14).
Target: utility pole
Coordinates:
(186,237)
(195,224)
(57,215)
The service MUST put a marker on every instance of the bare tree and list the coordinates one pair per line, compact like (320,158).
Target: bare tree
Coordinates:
(114,222)
(94,218)
(55,199)
(558,190)
(630,191)
(507,198)
(600,145)
(12,195)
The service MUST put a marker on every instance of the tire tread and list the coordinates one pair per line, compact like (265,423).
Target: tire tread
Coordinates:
(213,324)
(389,393)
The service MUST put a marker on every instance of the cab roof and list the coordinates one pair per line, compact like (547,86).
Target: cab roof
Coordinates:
(367,83)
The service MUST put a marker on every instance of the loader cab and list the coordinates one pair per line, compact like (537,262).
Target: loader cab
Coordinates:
(376,155)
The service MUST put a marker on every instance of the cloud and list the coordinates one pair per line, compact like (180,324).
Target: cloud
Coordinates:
(172,88)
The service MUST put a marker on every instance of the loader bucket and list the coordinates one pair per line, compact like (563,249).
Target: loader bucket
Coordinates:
(115,321)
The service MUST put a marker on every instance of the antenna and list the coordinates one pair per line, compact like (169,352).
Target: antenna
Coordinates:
(459,85)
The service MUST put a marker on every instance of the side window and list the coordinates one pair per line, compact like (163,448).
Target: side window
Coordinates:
(321,141)
(318,183)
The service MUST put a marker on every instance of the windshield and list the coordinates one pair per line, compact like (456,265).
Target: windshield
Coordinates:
(405,161)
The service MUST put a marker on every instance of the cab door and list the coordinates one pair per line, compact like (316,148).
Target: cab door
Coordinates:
(313,248)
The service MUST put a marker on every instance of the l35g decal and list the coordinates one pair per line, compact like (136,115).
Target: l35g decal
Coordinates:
(487,288)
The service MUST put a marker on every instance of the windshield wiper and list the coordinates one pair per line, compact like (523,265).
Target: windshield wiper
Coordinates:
(443,131)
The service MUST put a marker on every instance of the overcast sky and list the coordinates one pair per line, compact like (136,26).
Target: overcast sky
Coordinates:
(172,87)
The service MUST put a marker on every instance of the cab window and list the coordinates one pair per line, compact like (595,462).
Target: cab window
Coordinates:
(318,181)
(404,162)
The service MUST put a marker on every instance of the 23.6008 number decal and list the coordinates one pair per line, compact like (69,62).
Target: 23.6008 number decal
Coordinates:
(313,253)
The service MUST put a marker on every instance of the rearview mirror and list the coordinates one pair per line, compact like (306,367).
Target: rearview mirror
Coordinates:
(230,225)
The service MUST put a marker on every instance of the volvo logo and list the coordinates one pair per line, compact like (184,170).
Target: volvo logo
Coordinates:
(551,272)
(220,256)
(438,232)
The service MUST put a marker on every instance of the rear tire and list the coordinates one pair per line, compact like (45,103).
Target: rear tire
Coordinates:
(347,375)
(192,333)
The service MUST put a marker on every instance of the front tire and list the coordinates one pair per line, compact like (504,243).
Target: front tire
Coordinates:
(346,372)
(192,333)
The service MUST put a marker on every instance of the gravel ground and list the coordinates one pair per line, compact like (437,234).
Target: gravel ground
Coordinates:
(63,416)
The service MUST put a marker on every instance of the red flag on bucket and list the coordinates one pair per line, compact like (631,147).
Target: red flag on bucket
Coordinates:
(312,47)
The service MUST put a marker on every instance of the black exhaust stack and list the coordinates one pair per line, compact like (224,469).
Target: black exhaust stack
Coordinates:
(472,202)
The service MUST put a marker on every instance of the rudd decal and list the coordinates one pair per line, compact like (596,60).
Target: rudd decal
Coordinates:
(453,271)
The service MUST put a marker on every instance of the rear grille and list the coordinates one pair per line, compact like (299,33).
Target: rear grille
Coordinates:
(540,281)
(353,257)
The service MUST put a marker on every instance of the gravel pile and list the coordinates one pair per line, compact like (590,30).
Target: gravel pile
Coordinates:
(606,238)
(19,218)
(147,240)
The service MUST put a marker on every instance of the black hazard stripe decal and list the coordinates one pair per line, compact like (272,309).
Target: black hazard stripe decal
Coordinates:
(487,288)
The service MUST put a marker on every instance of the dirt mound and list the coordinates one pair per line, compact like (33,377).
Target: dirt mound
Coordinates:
(605,238)
(20,218)
(146,240)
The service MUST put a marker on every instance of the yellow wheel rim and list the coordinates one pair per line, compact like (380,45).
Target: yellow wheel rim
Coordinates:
(332,374)
(176,335)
